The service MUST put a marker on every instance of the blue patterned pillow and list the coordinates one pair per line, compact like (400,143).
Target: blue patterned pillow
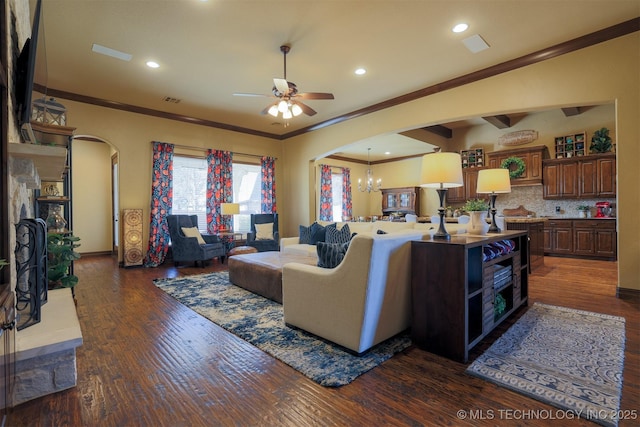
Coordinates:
(330,255)
(312,234)
(305,235)
(333,235)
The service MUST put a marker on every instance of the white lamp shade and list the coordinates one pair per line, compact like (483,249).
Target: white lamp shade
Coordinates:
(441,170)
(296,109)
(230,208)
(273,110)
(494,181)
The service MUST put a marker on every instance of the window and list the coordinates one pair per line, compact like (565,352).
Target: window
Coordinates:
(190,188)
(336,190)
(246,192)
(190,191)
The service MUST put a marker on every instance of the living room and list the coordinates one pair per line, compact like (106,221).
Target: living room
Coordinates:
(540,86)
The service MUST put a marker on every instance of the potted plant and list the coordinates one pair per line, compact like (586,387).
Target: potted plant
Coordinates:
(601,141)
(582,211)
(3,262)
(61,253)
(476,209)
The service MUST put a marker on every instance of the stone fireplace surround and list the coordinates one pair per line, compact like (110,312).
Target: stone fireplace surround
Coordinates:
(45,353)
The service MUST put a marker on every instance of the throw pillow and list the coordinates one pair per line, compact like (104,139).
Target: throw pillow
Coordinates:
(312,234)
(304,235)
(193,232)
(317,233)
(333,235)
(330,255)
(264,231)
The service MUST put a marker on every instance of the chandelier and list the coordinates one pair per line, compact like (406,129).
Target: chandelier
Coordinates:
(287,107)
(369,180)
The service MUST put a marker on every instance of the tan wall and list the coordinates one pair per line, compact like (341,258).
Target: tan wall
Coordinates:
(552,83)
(91,166)
(131,135)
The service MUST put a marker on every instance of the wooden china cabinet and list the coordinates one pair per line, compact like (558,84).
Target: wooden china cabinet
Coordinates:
(404,200)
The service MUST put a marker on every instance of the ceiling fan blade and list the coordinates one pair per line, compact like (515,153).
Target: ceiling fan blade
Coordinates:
(266,109)
(315,95)
(252,94)
(281,85)
(306,109)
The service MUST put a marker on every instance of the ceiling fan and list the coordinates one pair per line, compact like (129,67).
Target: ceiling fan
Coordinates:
(288,103)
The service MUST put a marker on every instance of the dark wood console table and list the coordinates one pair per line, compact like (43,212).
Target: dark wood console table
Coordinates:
(454,293)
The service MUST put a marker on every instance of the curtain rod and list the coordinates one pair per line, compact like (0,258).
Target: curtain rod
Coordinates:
(333,166)
(187,147)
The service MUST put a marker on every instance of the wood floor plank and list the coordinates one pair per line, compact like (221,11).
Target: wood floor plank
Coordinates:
(147,360)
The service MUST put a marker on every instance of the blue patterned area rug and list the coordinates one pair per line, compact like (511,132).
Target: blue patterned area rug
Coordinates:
(568,358)
(260,321)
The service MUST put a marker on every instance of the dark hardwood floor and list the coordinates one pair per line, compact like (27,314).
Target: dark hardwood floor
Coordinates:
(149,361)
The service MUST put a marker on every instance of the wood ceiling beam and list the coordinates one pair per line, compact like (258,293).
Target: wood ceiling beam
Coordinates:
(571,111)
(500,121)
(440,130)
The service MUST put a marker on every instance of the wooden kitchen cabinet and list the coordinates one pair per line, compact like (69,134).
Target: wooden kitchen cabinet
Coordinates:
(468,189)
(533,158)
(589,238)
(558,237)
(595,238)
(560,180)
(585,177)
(606,175)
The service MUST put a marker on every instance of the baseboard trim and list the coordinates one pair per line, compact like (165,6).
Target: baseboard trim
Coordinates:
(628,294)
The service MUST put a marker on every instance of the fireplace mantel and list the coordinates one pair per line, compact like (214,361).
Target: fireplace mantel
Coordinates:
(49,161)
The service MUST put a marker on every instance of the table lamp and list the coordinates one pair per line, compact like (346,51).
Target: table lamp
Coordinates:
(229,209)
(493,182)
(441,171)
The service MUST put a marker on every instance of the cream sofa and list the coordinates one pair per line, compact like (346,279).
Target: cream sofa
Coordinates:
(292,245)
(360,303)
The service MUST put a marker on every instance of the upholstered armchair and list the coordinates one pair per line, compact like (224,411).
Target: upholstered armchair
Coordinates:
(188,245)
(264,234)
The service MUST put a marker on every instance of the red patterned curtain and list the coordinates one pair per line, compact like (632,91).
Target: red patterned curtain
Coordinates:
(161,198)
(268,187)
(326,194)
(219,188)
(347,203)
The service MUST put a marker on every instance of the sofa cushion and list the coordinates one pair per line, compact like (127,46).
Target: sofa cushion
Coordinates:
(193,232)
(330,255)
(333,235)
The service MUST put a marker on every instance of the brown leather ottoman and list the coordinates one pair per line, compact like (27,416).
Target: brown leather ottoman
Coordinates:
(261,273)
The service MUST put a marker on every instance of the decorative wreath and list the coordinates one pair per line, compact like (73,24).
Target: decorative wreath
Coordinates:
(517,173)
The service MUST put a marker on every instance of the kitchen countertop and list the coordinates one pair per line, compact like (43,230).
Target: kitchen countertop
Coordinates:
(578,218)
(524,219)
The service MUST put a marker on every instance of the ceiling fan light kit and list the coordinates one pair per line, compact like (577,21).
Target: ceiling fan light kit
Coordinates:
(287,92)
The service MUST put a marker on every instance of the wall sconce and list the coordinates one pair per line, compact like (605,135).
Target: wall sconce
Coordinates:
(441,171)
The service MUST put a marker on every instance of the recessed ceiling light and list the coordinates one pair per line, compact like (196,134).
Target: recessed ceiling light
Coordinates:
(387,152)
(360,71)
(459,28)
(152,64)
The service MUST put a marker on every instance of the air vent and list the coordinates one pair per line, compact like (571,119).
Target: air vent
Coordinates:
(171,100)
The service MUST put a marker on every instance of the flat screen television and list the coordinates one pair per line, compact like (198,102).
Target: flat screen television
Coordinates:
(25,75)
